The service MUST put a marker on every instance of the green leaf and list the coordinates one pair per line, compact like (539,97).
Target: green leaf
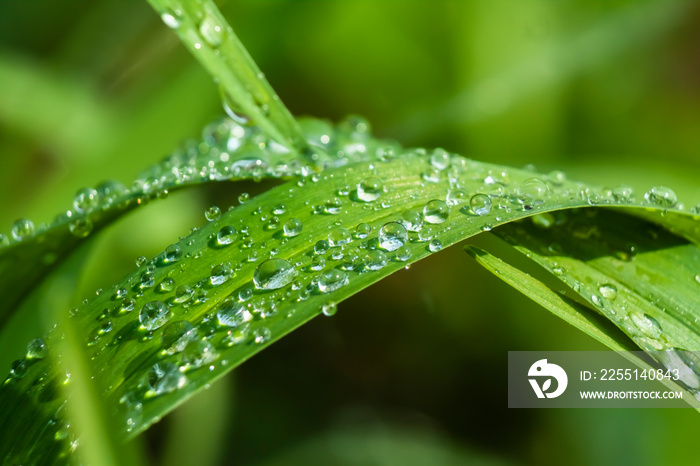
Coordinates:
(206,305)
(228,151)
(215,298)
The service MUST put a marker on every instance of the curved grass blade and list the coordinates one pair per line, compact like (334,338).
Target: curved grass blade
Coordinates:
(239,283)
(228,151)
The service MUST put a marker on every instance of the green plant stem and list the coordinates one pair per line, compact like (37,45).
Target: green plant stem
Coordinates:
(205,32)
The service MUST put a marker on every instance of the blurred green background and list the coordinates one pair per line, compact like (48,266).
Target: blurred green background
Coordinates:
(412,370)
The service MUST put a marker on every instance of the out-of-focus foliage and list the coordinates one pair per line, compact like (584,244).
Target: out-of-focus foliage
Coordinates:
(607,92)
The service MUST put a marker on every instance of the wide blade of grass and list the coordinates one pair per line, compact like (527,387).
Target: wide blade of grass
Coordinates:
(253,274)
(247,278)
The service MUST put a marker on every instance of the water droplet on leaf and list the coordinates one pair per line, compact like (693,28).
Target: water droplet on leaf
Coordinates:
(392,236)
(273,274)
(661,196)
(436,212)
(331,280)
(154,315)
(370,189)
(480,204)
(22,229)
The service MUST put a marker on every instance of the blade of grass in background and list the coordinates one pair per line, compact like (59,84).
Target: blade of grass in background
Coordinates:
(205,32)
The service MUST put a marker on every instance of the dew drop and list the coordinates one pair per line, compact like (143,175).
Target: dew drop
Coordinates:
(183,293)
(329,309)
(221,274)
(292,227)
(623,194)
(440,159)
(362,231)
(18,368)
(457,197)
(426,234)
(147,280)
(376,260)
(435,245)
(173,253)
(170,20)
(226,235)
(403,254)
(608,291)
(212,213)
(392,236)
(211,31)
(166,285)
(339,237)
(273,274)
(262,335)
(165,378)
(333,206)
(36,349)
(321,247)
(177,335)
(412,220)
(532,191)
(22,229)
(436,212)
(154,315)
(370,189)
(661,196)
(318,263)
(86,200)
(646,324)
(236,335)
(198,353)
(480,204)
(331,280)
(233,315)
(80,227)
(245,294)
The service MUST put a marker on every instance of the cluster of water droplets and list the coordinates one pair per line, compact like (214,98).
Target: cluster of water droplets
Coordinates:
(229,285)
(229,149)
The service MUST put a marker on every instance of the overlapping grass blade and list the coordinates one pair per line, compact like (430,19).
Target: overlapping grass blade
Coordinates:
(578,315)
(638,275)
